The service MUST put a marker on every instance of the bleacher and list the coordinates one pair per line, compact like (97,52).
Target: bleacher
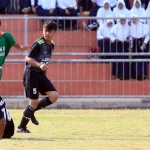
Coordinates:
(69,78)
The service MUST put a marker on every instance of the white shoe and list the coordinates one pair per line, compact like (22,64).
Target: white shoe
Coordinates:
(93,26)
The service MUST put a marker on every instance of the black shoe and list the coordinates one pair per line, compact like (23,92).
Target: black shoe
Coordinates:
(22,130)
(76,28)
(34,120)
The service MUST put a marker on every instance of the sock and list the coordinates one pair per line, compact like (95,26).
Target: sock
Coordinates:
(43,103)
(28,112)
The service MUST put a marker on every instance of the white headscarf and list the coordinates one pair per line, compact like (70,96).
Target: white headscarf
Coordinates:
(148,13)
(104,30)
(102,12)
(138,30)
(140,12)
(124,11)
(121,32)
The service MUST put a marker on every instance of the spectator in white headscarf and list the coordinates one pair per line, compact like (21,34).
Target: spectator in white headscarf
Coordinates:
(104,12)
(119,35)
(138,10)
(139,33)
(148,13)
(121,9)
(103,37)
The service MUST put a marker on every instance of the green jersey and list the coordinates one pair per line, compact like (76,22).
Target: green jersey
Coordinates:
(6,42)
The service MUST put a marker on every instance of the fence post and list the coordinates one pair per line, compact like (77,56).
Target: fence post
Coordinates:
(25,40)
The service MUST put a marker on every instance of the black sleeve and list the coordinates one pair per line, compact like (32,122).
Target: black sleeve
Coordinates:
(53,46)
(35,49)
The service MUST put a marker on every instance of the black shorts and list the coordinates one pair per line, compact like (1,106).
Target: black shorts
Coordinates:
(35,82)
(1,114)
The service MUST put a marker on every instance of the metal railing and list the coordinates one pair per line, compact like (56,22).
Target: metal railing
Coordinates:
(75,75)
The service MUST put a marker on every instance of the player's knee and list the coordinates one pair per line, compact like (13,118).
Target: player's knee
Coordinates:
(53,97)
(33,103)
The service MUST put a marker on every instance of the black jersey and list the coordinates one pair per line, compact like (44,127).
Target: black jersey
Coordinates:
(41,52)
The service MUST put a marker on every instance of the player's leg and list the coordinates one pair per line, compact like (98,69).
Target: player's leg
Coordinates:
(47,89)
(51,98)
(2,124)
(27,114)
(31,84)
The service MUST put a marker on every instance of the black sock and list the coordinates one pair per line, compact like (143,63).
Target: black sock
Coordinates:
(28,112)
(43,103)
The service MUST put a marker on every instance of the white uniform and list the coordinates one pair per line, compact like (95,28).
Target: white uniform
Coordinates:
(148,13)
(103,13)
(67,3)
(118,12)
(45,4)
(119,31)
(100,2)
(140,12)
(104,30)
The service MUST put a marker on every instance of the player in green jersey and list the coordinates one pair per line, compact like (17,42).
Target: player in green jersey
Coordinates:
(6,42)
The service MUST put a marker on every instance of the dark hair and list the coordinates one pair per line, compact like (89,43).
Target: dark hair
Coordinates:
(50,25)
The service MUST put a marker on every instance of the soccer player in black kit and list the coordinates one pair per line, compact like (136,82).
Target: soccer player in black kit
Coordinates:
(35,79)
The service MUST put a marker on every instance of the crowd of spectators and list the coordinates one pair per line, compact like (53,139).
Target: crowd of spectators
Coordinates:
(124,35)
(113,35)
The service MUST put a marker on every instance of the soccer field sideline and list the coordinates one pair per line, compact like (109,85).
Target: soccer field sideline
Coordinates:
(83,130)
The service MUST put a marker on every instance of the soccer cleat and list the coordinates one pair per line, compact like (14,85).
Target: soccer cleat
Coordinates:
(34,120)
(22,130)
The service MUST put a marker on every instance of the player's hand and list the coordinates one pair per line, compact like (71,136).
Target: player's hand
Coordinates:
(51,10)
(34,9)
(26,47)
(143,47)
(44,67)
(128,41)
(130,50)
(67,12)
(106,37)
(71,7)
(117,40)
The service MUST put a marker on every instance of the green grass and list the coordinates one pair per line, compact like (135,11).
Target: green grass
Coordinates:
(83,130)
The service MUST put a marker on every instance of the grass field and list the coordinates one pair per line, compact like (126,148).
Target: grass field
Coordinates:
(83,130)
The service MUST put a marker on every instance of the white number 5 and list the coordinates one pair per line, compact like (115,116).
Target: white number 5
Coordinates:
(34,91)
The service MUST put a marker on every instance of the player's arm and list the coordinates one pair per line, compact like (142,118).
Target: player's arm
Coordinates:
(33,62)
(12,42)
(20,47)
(35,49)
